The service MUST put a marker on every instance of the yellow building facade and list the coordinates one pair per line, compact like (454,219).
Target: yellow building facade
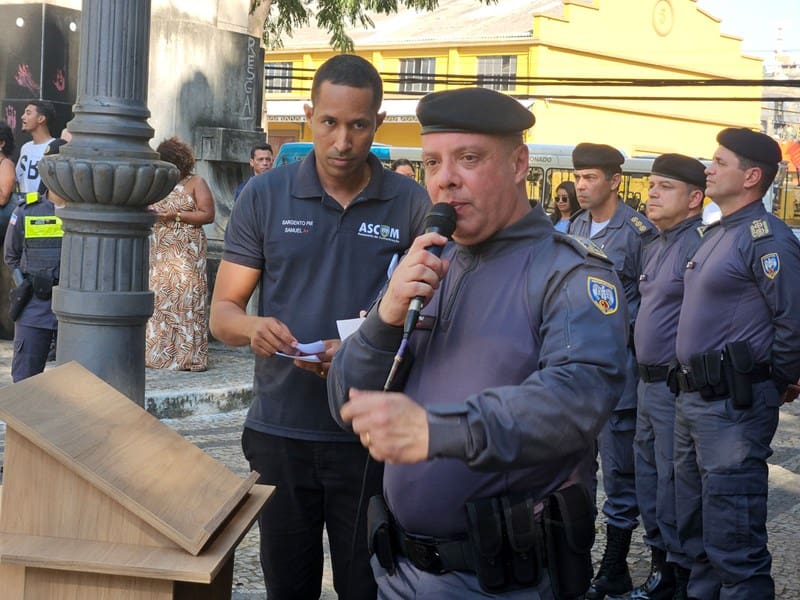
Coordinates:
(586,69)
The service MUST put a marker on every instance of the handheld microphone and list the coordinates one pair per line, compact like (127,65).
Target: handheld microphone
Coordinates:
(442,220)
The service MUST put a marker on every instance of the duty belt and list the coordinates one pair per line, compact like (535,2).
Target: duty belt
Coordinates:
(435,556)
(686,380)
(653,373)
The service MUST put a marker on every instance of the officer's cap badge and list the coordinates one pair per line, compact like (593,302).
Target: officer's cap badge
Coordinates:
(603,295)
(759,229)
(771,263)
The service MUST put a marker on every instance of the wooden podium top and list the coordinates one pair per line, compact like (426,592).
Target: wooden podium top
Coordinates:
(102,436)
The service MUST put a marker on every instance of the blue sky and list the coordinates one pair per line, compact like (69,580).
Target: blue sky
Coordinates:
(757,23)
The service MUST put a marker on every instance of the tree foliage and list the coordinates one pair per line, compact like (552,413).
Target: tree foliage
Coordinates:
(334,16)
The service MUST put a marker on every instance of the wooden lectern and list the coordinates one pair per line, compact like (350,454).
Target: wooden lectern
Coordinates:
(100,500)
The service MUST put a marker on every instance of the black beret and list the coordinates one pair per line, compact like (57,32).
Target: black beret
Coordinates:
(53,147)
(596,156)
(680,167)
(473,110)
(751,144)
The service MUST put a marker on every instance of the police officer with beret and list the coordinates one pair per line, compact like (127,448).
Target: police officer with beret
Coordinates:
(621,232)
(511,370)
(33,253)
(674,204)
(738,352)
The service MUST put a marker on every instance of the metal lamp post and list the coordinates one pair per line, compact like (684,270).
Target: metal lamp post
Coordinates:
(108,174)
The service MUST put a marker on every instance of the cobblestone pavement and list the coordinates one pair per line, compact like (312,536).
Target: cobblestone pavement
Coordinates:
(193,402)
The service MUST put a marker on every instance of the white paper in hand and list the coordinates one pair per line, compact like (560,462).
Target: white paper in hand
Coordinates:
(307,351)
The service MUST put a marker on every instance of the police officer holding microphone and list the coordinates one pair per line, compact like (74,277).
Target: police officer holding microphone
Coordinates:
(738,353)
(512,368)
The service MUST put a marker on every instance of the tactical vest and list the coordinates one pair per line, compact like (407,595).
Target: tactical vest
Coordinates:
(42,239)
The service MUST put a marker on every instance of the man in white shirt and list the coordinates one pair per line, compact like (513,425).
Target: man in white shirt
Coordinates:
(36,120)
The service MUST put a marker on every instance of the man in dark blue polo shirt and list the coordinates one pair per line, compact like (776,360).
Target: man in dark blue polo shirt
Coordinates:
(318,236)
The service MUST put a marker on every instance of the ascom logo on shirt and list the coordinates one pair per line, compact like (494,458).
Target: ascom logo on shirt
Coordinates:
(380,232)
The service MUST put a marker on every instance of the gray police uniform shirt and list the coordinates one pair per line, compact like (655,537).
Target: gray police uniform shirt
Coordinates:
(623,240)
(742,284)
(517,359)
(38,312)
(661,289)
(319,263)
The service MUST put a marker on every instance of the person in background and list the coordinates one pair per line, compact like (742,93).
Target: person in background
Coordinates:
(675,199)
(177,333)
(32,250)
(566,205)
(739,358)
(8,177)
(504,393)
(404,167)
(317,236)
(38,118)
(260,162)
(621,232)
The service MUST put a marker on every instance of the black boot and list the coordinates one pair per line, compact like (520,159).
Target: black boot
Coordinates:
(613,578)
(660,584)
(681,583)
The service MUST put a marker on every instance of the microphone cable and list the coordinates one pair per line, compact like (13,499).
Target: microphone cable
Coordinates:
(440,219)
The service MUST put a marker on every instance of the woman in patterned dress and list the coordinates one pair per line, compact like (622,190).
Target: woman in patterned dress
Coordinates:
(177,333)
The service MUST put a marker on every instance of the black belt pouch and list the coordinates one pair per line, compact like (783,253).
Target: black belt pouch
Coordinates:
(569,536)
(379,532)
(739,367)
(486,539)
(672,376)
(524,537)
(43,284)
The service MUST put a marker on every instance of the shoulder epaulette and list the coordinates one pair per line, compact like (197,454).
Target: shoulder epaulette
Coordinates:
(576,214)
(639,225)
(584,245)
(759,229)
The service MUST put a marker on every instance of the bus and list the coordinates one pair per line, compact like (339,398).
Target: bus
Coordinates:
(785,196)
(550,164)
(294,151)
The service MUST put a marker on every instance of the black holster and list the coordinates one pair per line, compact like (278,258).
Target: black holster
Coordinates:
(569,536)
(18,298)
(739,366)
(380,538)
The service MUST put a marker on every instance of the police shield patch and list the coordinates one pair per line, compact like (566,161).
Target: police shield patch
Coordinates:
(603,295)
(771,263)
(384,231)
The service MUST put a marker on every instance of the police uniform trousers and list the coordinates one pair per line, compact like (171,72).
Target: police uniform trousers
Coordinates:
(410,583)
(655,480)
(31,347)
(615,445)
(721,492)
